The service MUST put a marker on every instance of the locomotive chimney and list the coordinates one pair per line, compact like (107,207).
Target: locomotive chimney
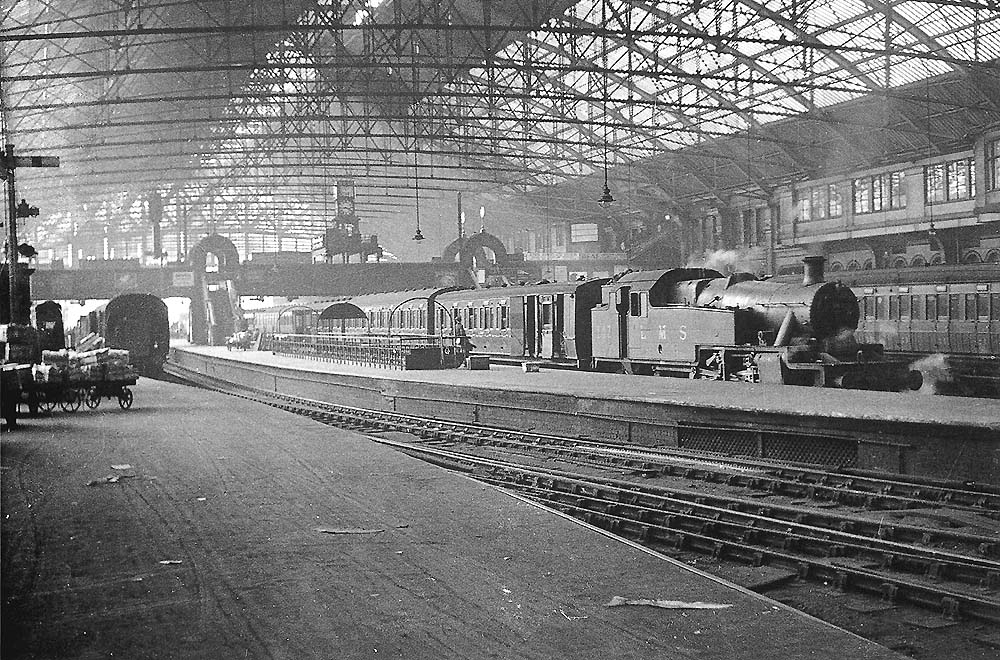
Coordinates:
(813,273)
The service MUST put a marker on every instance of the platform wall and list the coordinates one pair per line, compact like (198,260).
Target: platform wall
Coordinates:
(934,450)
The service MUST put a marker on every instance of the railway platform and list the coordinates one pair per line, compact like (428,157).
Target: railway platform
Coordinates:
(949,438)
(205,526)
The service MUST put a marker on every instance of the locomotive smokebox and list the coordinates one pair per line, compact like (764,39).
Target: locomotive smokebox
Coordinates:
(813,273)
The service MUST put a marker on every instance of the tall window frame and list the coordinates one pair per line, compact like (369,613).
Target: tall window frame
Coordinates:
(879,192)
(993,163)
(950,181)
(821,203)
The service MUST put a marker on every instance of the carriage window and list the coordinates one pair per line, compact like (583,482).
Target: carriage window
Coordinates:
(970,307)
(869,307)
(904,307)
(894,308)
(955,306)
(995,306)
(942,305)
(489,318)
(423,318)
(546,314)
(931,307)
(916,308)
(983,306)
(635,305)
(504,319)
(880,307)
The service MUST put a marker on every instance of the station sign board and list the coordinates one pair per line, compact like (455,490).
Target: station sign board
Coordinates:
(183,278)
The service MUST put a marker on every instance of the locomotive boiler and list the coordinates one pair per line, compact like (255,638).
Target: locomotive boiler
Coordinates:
(698,322)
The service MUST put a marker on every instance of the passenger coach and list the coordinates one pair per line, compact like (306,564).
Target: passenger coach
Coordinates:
(544,321)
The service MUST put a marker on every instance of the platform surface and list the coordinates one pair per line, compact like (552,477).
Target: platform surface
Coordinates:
(198,525)
(912,407)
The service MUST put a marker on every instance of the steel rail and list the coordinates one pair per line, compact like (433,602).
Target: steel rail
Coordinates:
(779,478)
(742,526)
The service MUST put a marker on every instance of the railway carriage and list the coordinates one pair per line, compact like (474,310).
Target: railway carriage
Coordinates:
(959,318)
(548,321)
(290,319)
(137,322)
(49,321)
(402,313)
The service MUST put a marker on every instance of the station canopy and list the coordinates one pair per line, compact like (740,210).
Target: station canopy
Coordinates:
(265,116)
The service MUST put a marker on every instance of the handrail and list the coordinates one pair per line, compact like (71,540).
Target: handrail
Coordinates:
(399,352)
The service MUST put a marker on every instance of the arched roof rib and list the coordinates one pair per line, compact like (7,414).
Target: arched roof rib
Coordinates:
(207,102)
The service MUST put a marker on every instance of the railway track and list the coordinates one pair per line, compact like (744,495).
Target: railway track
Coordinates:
(857,531)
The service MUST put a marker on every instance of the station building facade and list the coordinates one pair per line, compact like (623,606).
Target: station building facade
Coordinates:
(926,211)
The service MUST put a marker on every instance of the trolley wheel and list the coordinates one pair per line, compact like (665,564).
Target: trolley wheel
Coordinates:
(125,398)
(71,401)
(93,398)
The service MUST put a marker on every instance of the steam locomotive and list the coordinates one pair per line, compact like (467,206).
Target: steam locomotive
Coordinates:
(699,323)
(690,322)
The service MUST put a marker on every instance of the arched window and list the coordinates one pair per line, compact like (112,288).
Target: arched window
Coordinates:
(869,265)
(992,257)
(937,259)
(899,262)
(972,257)
(853,265)
(836,266)
(918,261)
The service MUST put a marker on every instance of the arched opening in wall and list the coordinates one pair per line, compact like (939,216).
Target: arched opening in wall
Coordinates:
(918,261)
(899,262)
(972,257)
(211,263)
(215,308)
(937,259)
(836,266)
(853,265)
(992,257)
(869,265)
(483,258)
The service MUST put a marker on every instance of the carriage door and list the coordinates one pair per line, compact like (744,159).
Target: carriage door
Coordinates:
(621,303)
(530,344)
(545,325)
(558,326)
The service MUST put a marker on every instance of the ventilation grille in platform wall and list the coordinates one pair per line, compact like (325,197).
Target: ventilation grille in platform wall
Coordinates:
(793,447)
